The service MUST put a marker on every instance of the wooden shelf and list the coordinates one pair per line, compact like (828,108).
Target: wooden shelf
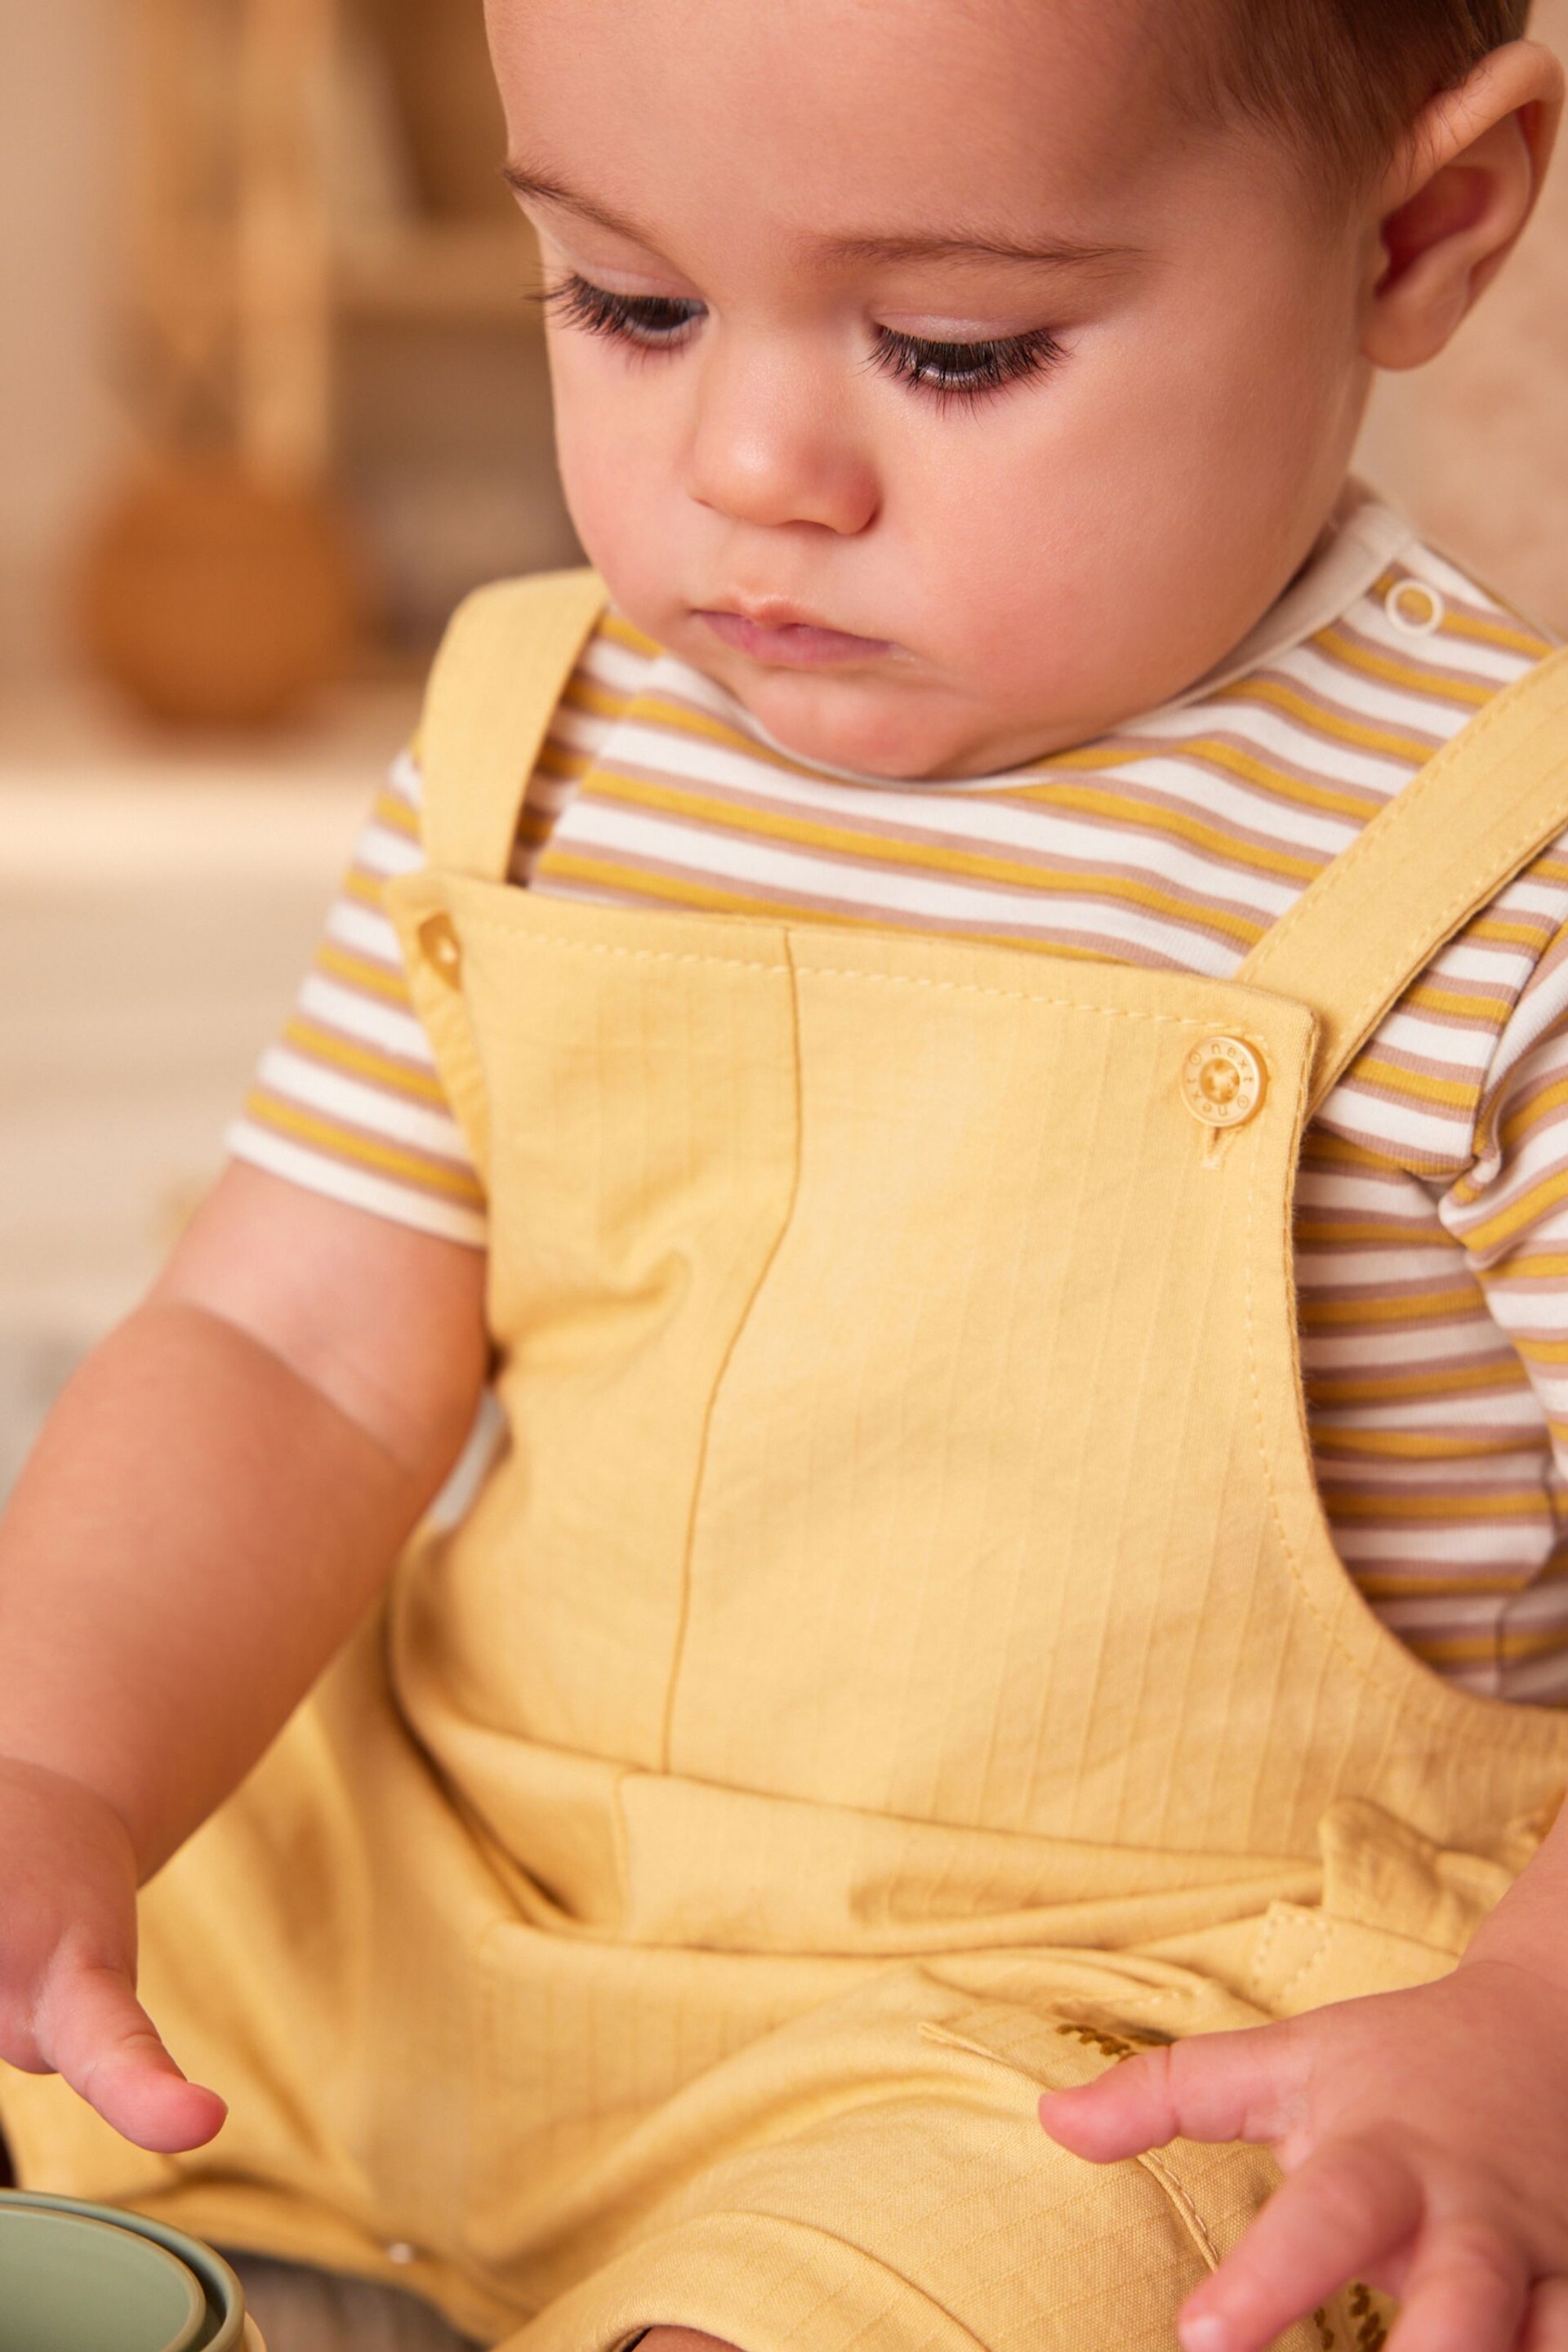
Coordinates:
(456,273)
(248,259)
(437,273)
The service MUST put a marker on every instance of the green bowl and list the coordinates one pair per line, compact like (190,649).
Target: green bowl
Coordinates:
(86,2278)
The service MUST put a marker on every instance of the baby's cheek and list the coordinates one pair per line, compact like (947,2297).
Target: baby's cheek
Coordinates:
(619,468)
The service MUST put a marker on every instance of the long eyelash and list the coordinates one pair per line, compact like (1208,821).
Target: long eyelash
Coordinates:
(650,323)
(955,374)
(964,374)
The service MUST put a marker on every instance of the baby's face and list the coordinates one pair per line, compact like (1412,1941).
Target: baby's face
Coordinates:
(923,375)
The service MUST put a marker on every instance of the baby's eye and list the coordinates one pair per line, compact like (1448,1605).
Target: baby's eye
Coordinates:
(965,371)
(651,322)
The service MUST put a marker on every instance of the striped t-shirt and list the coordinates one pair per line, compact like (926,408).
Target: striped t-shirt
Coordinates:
(1432,1211)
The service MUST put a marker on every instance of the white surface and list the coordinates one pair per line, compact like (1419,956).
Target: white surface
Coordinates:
(158,905)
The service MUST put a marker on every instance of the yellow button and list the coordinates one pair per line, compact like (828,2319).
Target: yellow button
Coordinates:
(438,945)
(1222,1082)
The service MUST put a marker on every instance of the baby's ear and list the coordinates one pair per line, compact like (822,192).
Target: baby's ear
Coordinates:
(1453,202)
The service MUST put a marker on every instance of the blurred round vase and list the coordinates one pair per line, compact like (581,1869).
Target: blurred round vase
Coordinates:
(214,598)
(84,2278)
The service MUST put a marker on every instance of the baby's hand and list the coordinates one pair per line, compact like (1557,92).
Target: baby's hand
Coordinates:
(68,1963)
(1425,2136)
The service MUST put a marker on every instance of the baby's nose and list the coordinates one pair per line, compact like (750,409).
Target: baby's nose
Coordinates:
(772,445)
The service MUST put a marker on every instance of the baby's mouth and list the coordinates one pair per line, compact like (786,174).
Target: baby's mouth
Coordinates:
(791,644)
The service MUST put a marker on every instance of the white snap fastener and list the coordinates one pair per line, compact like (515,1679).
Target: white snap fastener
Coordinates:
(1222,1082)
(1415,608)
(401,2252)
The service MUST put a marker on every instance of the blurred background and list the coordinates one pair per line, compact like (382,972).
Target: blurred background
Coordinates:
(272,397)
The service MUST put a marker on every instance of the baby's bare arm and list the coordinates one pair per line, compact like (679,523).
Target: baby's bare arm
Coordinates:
(217,1497)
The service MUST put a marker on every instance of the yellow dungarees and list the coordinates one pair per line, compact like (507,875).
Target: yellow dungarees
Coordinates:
(901,1659)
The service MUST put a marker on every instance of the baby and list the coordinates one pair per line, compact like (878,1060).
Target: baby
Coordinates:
(877,1019)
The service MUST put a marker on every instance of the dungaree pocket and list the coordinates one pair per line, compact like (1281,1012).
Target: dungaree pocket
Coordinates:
(1212,2193)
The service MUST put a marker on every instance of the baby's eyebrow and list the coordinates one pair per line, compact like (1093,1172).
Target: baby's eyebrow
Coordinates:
(951,246)
(542,188)
(1055,252)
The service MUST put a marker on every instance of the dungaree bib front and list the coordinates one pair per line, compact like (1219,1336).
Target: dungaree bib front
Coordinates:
(899,1659)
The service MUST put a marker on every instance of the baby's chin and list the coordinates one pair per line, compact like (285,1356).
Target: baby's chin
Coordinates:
(892,731)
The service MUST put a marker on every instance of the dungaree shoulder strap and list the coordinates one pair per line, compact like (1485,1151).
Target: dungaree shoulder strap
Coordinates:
(504,664)
(1477,812)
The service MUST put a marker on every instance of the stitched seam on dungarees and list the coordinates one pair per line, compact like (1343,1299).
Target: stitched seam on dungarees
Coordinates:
(1265,1944)
(1435,1707)
(1198,2230)
(742,1325)
(827,972)
(1260,1431)
(1317,1925)
(1324,1929)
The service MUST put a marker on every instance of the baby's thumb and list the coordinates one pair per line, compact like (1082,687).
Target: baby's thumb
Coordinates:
(95,2034)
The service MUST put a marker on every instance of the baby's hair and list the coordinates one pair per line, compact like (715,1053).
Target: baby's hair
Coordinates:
(1344,78)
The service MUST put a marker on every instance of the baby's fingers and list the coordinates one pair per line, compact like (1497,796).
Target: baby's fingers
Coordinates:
(1546,2329)
(1467,2291)
(1344,2213)
(1216,2087)
(97,2036)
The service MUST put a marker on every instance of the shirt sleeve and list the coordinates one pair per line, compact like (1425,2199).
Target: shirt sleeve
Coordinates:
(1510,1213)
(348,1101)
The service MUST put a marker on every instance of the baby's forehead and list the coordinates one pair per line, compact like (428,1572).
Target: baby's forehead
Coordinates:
(969,59)
(854,108)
